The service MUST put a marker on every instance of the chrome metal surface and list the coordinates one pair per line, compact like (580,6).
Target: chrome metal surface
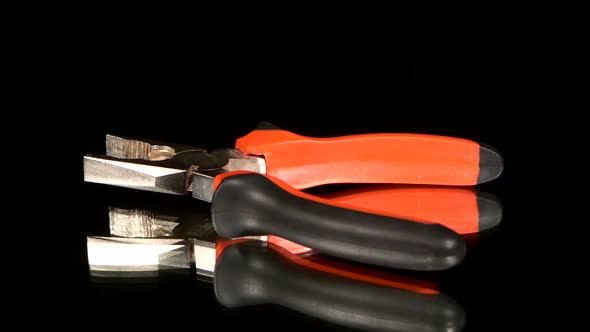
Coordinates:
(204,253)
(140,223)
(248,163)
(125,254)
(238,161)
(202,186)
(128,174)
(138,251)
(122,148)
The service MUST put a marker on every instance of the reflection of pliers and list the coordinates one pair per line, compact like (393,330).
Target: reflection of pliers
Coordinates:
(348,295)
(245,203)
(463,210)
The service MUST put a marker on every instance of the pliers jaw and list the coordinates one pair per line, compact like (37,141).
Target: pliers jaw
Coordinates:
(135,174)
(165,167)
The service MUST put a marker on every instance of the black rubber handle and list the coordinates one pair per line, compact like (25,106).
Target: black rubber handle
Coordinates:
(249,273)
(252,204)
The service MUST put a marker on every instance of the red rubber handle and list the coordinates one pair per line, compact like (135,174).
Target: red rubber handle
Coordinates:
(305,162)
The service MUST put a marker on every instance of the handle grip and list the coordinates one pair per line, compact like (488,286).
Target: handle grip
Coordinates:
(249,273)
(305,162)
(459,208)
(252,204)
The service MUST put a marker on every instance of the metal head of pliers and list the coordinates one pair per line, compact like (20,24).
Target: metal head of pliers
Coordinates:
(165,167)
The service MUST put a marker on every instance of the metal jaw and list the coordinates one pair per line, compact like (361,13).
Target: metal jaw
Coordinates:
(164,167)
(137,254)
(149,241)
(143,243)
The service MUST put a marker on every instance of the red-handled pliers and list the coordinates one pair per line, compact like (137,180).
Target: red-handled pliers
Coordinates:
(247,203)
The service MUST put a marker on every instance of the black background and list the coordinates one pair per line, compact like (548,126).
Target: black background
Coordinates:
(453,76)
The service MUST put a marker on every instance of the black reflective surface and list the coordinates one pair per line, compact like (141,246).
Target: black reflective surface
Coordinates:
(255,278)
(439,89)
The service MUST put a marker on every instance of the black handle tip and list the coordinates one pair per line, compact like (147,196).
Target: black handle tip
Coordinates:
(450,251)
(491,163)
(489,211)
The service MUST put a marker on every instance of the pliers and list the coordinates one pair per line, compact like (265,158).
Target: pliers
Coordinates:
(253,188)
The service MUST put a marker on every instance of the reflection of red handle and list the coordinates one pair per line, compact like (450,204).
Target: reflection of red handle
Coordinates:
(455,208)
(304,162)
